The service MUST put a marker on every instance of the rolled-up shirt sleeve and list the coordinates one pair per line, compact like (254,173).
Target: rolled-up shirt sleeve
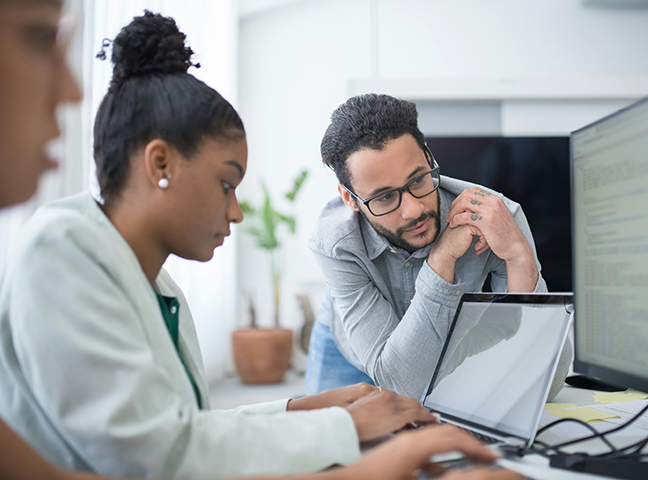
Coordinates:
(396,352)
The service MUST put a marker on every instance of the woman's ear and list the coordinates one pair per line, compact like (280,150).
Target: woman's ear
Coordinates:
(347,198)
(159,163)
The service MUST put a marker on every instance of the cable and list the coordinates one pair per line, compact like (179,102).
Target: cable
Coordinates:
(596,434)
(638,446)
(613,450)
(563,420)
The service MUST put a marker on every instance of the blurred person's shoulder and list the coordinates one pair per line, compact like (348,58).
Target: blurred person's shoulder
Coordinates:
(75,222)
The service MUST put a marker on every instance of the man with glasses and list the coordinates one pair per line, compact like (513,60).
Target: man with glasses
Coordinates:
(399,247)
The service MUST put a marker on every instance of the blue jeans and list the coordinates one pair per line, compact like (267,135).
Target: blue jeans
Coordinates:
(326,367)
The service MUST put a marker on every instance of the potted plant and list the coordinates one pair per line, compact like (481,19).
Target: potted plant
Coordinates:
(262,355)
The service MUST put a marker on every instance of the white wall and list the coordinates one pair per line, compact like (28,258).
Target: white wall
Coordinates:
(509,38)
(301,59)
(295,63)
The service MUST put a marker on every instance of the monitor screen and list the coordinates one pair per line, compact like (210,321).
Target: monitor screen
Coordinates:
(533,171)
(609,162)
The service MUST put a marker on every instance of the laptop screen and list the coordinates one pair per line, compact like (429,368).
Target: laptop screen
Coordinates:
(498,361)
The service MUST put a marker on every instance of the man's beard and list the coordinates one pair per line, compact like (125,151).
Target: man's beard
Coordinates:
(396,239)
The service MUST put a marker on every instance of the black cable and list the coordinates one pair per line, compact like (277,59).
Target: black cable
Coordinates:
(533,450)
(600,435)
(638,446)
(639,457)
(541,443)
(563,420)
(596,434)
(629,422)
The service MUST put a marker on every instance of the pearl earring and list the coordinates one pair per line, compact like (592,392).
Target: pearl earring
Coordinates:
(164,181)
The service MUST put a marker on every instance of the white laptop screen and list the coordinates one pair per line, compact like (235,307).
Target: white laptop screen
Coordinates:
(497,365)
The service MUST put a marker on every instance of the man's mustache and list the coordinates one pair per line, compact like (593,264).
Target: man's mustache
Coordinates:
(425,216)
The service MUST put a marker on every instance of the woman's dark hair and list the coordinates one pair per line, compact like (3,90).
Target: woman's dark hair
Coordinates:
(366,121)
(151,96)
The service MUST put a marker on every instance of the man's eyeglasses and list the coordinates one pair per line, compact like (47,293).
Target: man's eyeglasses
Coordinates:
(421,186)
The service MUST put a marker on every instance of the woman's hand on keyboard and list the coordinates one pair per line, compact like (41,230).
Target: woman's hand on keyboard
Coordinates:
(409,452)
(382,412)
(338,397)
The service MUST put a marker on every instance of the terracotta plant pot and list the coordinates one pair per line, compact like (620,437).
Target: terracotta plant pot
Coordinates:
(262,355)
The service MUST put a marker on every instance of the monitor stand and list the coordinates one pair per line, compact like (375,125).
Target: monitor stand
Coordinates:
(581,381)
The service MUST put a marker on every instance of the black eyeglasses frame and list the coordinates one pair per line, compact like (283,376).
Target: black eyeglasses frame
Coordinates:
(435,169)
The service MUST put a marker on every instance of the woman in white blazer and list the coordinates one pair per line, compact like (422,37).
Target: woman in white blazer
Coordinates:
(86,372)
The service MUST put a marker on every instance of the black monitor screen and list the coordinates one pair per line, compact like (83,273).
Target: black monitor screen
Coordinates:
(610,220)
(533,171)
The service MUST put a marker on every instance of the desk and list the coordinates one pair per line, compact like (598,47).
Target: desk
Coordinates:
(537,467)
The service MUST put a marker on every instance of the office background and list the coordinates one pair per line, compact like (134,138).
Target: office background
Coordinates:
(474,67)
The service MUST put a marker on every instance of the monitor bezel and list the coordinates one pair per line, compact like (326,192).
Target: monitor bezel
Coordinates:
(590,369)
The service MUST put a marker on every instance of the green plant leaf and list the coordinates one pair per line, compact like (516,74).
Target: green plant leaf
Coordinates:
(266,220)
(267,243)
(254,231)
(297,184)
(268,216)
(290,222)
(247,208)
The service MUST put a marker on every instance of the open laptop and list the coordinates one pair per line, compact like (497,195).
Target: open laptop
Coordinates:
(498,362)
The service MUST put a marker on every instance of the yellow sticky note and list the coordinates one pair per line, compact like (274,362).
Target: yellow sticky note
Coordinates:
(552,407)
(614,397)
(584,414)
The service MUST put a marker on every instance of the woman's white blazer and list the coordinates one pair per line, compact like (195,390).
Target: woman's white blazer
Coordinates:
(89,374)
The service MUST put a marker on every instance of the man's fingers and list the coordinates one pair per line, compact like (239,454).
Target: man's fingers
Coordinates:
(481,245)
(468,218)
(473,200)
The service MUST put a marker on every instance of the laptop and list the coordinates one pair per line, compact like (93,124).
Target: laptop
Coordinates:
(498,362)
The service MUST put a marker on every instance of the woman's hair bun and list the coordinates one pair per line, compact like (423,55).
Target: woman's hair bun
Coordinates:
(149,44)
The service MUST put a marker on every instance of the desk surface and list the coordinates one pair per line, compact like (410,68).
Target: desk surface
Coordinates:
(537,467)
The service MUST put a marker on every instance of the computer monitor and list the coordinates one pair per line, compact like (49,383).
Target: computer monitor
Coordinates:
(609,163)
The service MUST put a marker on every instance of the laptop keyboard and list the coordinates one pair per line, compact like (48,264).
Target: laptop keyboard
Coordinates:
(482,437)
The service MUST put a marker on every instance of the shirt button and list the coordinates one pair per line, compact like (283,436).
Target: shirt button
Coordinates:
(174,309)
(458,292)
(408,264)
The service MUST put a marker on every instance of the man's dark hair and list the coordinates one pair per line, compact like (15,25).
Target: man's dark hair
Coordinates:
(366,121)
